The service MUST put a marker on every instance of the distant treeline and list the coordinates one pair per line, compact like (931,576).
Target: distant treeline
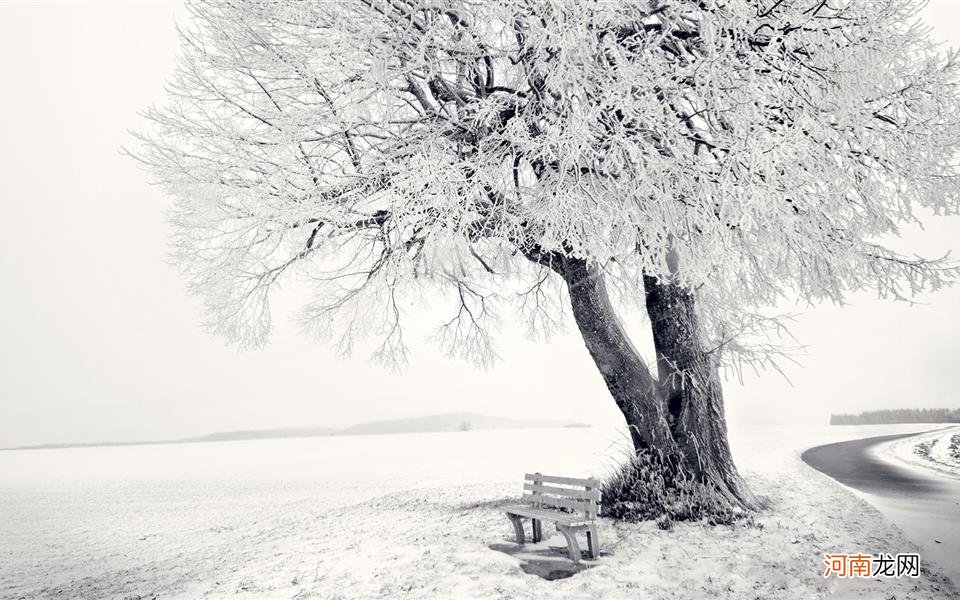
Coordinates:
(899,415)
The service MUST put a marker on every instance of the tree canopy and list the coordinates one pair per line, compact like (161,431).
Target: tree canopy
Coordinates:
(749,151)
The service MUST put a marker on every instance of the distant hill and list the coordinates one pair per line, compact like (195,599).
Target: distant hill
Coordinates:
(432,423)
(263,434)
(447,422)
(899,415)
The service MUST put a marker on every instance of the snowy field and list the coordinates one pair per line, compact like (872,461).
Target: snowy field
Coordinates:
(411,516)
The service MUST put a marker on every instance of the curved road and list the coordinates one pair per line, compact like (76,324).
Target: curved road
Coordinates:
(924,504)
(852,463)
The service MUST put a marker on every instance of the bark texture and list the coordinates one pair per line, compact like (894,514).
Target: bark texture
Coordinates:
(676,416)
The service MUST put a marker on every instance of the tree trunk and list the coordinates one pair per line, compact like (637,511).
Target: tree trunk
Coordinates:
(690,384)
(627,377)
(678,416)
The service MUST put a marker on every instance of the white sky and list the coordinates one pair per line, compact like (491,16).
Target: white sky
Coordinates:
(99,341)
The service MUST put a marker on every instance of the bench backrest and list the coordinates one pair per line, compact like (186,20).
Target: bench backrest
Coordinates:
(566,493)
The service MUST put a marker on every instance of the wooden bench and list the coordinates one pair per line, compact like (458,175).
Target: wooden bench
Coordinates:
(571,504)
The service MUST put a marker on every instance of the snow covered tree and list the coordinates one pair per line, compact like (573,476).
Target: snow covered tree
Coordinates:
(699,160)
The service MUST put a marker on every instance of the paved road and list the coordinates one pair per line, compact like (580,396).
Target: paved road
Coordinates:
(925,505)
(852,464)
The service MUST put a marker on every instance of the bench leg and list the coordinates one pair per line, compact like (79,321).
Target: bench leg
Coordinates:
(517,527)
(573,549)
(593,542)
(537,526)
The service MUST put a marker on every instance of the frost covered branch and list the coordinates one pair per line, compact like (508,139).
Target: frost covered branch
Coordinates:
(461,150)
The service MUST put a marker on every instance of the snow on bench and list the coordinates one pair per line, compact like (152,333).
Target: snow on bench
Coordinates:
(571,504)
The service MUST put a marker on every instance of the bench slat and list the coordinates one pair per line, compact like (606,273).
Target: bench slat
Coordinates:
(593,483)
(587,507)
(545,514)
(568,492)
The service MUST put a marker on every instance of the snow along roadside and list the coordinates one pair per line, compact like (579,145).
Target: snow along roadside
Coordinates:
(936,450)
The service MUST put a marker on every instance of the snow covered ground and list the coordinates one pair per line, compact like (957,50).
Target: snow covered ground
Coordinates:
(938,450)
(411,516)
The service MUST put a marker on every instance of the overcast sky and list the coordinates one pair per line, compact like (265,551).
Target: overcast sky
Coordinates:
(99,340)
